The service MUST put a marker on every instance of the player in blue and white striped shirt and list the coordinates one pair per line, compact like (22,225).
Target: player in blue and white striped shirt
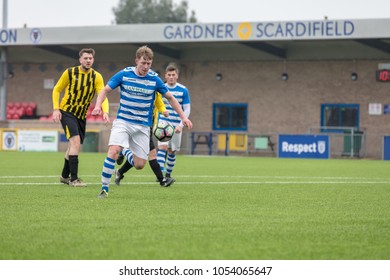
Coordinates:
(131,128)
(166,155)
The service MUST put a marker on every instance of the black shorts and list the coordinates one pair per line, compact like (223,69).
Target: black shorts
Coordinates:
(151,142)
(73,126)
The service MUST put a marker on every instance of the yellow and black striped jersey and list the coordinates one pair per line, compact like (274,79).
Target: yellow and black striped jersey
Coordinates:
(80,89)
(159,107)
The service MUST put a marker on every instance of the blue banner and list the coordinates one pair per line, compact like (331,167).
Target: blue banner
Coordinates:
(303,146)
(386,148)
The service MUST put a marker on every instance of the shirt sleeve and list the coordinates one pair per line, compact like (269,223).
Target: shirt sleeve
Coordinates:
(58,88)
(115,80)
(186,97)
(99,88)
(161,87)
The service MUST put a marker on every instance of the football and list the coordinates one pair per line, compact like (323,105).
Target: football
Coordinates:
(163,131)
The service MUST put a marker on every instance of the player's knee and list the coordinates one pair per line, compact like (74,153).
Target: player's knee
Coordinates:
(139,163)
(139,166)
(113,152)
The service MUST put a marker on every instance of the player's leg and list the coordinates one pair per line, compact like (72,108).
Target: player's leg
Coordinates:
(162,154)
(75,132)
(65,174)
(139,142)
(174,146)
(137,153)
(119,174)
(136,161)
(123,134)
(152,158)
(108,169)
(171,160)
(154,164)
(120,158)
(74,142)
(164,182)
(119,138)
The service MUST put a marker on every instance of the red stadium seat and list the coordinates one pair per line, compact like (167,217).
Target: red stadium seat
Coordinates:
(11,110)
(29,111)
(17,105)
(10,105)
(20,111)
(15,116)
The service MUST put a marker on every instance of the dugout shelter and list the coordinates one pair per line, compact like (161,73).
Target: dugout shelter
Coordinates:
(250,78)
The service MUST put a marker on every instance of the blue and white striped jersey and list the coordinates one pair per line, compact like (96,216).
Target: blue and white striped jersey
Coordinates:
(137,95)
(180,92)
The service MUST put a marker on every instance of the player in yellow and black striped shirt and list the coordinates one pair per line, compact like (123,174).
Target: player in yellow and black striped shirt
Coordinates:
(80,83)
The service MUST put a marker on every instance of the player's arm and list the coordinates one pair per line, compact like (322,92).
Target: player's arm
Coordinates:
(176,106)
(105,105)
(187,111)
(186,104)
(106,110)
(58,88)
(100,99)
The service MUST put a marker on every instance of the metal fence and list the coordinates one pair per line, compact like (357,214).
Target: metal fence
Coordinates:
(345,142)
(229,143)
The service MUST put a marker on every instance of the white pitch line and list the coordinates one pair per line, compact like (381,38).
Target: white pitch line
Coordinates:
(212,176)
(218,183)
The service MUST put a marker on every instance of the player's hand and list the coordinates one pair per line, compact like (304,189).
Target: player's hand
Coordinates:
(187,123)
(97,111)
(166,114)
(106,118)
(57,115)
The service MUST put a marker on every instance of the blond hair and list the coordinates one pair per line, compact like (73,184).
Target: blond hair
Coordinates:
(144,52)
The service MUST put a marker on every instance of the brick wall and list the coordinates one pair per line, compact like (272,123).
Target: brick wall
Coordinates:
(275,106)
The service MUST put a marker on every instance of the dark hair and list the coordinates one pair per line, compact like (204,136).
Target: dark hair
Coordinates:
(87,50)
(172,67)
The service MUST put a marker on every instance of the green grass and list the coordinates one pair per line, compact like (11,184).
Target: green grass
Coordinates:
(220,208)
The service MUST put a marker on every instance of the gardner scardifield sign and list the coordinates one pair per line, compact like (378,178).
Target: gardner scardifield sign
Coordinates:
(198,32)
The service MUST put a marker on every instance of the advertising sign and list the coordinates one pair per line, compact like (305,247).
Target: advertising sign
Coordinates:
(38,140)
(8,140)
(386,148)
(303,146)
(201,32)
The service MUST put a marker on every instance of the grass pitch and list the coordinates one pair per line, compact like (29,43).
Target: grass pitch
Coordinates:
(220,208)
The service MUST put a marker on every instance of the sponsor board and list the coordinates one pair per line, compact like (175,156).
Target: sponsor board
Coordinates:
(303,146)
(38,140)
(9,140)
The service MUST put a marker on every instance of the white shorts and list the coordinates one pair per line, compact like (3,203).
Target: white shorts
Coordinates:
(132,136)
(173,144)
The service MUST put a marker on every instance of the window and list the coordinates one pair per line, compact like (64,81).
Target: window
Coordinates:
(339,116)
(230,116)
